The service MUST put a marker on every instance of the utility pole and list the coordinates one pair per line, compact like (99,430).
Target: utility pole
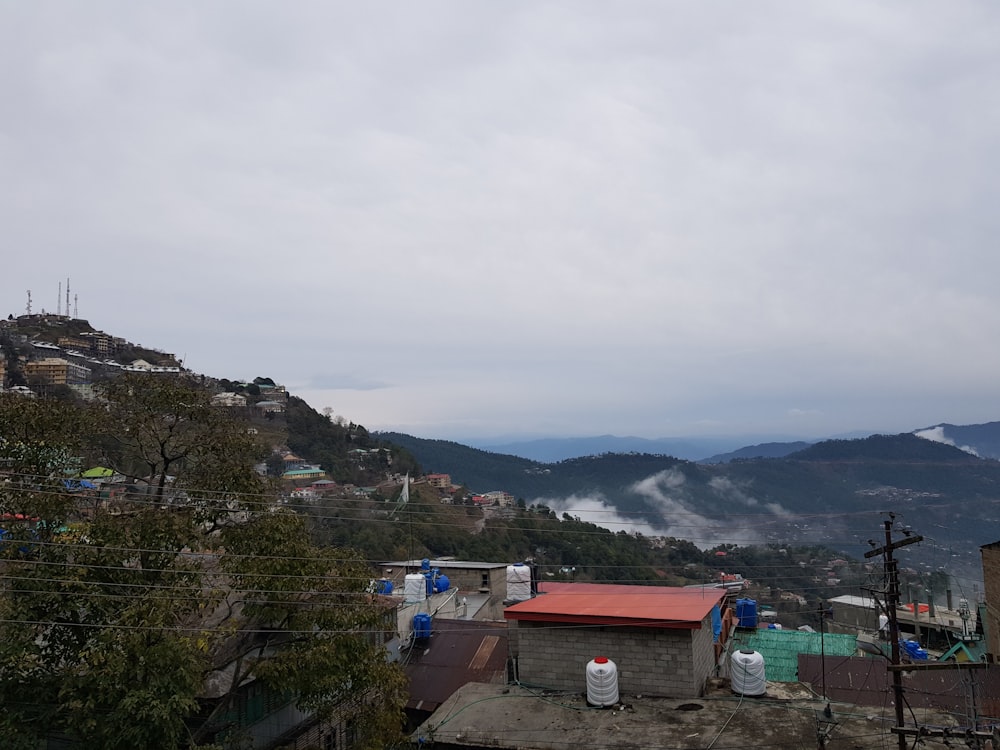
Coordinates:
(890,567)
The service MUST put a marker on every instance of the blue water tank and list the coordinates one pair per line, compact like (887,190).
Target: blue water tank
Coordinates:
(746,613)
(425,564)
(913,650)
(384,586)
(422,626)
(441,583)
(429,583)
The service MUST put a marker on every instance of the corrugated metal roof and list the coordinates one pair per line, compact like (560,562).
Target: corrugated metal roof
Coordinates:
(618,604)
(459,651)
(781,649)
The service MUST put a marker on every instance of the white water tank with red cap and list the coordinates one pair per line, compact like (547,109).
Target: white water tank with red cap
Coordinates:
(602,682)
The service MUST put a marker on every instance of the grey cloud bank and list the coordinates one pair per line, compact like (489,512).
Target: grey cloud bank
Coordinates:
(464,220)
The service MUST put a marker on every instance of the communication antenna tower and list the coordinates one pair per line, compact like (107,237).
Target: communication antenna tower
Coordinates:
(76,310)
(67,296)
(59,301)
(29,302)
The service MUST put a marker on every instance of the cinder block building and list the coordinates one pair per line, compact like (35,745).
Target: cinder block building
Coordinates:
(660,638)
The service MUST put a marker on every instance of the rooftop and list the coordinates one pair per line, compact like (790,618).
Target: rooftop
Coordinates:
(444,564)
(618,604)
(510,716)
(458,651)
(781,648)
(852,600)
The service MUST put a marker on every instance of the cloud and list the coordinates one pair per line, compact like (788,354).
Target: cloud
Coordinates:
(556,218)
(804,412)
(596,510)
(727,488)
(343,382)
(936,435)
(672,511)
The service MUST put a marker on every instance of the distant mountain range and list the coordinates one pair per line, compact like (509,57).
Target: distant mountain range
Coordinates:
(832,492)
(549,450)
(982,439)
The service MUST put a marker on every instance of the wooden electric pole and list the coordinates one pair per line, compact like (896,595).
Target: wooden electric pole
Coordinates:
(890,566)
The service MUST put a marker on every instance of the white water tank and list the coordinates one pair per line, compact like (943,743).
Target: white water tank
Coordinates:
(602,682)
(414,588)
(518,582)
(747,673)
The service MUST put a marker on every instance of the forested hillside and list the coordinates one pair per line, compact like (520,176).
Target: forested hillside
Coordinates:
(935,486)
(123,597)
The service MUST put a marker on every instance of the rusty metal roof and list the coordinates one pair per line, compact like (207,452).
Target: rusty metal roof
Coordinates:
(458,652)
(618,604)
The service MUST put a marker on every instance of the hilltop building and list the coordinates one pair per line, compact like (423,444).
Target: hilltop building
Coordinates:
(56,371)
(441,481)
(229,399)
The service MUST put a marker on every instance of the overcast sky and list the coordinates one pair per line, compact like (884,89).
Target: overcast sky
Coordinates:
(474,219)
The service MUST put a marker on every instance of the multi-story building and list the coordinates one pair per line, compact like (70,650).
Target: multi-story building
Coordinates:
(229,399)
(501,498)
(101,343)
(441,481)
(56,371)
(73,342)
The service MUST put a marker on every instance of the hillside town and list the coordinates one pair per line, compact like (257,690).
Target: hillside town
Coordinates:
(511,654)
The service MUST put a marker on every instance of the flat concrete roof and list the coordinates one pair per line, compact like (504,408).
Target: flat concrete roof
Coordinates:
(618,604)
(787,717)
(852,600)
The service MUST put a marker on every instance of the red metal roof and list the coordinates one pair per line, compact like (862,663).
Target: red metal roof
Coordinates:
(618,604)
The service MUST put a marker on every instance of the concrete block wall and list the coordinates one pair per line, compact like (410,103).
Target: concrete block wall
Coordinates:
(471,579)
(651,661)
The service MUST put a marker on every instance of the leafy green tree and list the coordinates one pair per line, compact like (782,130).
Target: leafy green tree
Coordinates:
(159,427)
(113,613)
(41,442)
(328,642)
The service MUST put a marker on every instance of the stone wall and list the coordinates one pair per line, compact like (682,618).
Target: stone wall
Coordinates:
(666,662)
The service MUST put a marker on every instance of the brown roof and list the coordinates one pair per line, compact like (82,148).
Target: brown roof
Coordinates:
(458,652)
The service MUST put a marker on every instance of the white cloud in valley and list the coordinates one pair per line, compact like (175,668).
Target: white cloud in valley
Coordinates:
(669,511)
(936,435)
